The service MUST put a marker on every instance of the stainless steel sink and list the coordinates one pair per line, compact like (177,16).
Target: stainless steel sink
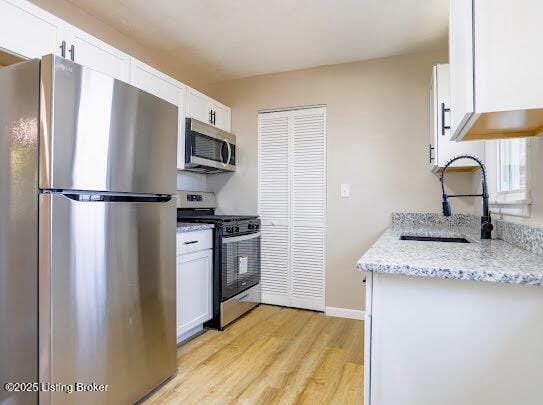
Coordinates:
(434,239)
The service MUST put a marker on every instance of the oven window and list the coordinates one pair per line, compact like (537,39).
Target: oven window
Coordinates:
(240,266)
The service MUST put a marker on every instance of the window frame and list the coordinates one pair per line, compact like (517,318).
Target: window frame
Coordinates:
(511,202)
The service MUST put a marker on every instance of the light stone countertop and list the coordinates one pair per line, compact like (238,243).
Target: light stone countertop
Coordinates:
(189,227)
(481,260)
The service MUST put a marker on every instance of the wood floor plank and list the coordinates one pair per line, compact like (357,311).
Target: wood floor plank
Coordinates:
(349,390)
(274,355)
(323,384)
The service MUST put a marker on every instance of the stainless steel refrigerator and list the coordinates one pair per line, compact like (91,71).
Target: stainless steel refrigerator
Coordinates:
(87,234)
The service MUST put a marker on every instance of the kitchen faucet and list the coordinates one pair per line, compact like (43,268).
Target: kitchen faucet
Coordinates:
(486,220)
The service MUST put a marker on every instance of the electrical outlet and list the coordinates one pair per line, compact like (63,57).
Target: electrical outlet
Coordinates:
(345,190)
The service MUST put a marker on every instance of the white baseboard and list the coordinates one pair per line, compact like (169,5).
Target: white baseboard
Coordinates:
(345,313)
(183,337)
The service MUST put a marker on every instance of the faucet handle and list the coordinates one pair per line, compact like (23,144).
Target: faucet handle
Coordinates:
(446,207)
(487,227)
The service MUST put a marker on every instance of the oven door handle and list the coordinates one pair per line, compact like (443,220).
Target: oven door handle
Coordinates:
(233,239)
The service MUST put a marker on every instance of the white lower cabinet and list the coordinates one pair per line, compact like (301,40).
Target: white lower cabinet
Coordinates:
(449,342)
(194,289)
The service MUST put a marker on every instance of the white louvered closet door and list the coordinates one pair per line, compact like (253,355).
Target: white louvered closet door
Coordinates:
(292,204)
(273,197)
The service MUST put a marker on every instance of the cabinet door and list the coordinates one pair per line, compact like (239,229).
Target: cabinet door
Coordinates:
(198,106)
(445,148)
(508,74)
(461,63)
(91,52)
(194,289)
(222,116)
(27,30)
(432,118)
(157,83)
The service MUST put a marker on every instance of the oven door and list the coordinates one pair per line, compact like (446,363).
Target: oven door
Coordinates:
(209,149)
(240,264)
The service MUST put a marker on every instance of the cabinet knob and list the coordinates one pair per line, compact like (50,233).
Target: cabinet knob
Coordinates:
(443,126)
(72,53)
(430,149)
(63,49)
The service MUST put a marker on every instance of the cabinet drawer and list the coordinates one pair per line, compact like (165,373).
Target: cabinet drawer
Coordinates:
(188,242)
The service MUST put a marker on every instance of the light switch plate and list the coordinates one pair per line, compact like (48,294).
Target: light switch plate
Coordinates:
(345,190)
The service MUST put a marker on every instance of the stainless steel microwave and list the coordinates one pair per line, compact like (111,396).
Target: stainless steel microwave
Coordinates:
(208,149)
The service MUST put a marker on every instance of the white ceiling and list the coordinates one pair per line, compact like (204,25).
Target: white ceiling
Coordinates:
(237,38)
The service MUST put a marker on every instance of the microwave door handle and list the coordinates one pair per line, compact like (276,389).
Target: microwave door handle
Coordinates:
(222,155)
(229,152)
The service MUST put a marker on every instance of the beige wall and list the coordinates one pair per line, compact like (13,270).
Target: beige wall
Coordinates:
(70,13)
(377,142)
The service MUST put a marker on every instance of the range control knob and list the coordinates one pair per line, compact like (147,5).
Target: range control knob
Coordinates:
(229,229)
(237,228)
(251,226)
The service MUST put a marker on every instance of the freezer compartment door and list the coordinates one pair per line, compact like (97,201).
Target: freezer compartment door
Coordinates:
(107,297)
(99,133)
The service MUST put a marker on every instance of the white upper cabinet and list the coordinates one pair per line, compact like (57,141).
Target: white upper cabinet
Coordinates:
(496,75)
(205,109)
(157,83)
(198,106)
(30,32)
(221,116)
(441,147)
(89,51)
(27,30)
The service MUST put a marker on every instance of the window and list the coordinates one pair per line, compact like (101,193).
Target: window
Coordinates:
(512,166)
(509,180)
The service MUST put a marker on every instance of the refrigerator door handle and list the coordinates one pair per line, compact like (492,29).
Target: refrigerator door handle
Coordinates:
(117,198)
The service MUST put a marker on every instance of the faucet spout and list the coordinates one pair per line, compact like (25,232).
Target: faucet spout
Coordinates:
(486,220)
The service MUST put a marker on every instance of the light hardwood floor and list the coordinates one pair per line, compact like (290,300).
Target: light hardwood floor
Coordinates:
(273,355)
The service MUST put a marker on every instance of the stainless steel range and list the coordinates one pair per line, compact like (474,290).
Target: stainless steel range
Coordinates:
(236,265)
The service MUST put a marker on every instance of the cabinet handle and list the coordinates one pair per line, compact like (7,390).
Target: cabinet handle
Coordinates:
(72,53)
(211,116)
(443,111)
(191,242)
(430,149)
(63,49)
